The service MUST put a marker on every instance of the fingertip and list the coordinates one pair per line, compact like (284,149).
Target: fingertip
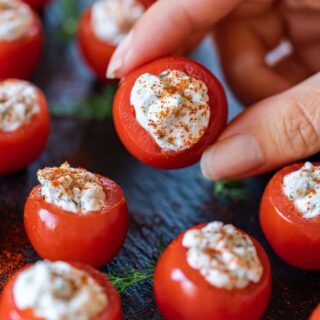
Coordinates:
(162,29)
(207,168)
(118,58)
(113,67)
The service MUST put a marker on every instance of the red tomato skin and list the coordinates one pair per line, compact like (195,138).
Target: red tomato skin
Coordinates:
(10,311)
(36,4)
(295,239)
(96,52)
(138,141)
(316,313)
(21,147)
(19,58)
(181,293)
(93,238)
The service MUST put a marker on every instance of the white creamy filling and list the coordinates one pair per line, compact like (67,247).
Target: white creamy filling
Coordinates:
(173,108)
(18,104)
(225,257)
(303,188)
(111,20)
(15,19)
(75,190)
(58,291)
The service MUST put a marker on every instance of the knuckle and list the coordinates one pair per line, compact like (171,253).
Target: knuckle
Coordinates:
(300,126)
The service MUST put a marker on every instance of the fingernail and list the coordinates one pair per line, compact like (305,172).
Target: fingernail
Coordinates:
(231,157)
(112,68)
(118,57)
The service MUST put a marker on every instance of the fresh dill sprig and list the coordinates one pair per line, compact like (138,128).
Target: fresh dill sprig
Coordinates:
(126,279)
(70,13)
(233,189)
(98,106)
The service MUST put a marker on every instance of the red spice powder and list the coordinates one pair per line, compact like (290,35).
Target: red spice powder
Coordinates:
(14,245)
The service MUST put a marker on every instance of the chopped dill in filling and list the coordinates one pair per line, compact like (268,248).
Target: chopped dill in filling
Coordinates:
(224,256)
(173,108)
(59,291)
(72,189)
(303,188)
(15,20)
(18,104)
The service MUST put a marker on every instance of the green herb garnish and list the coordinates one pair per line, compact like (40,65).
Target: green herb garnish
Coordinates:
(98,106)
(127,278)
(124,280)
(70,12)
(233,189)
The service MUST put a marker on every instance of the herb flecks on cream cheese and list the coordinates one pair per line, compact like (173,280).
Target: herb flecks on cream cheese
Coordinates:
(59,291)
(173,108)
(111,20)
(15,20)
(303,188)
(18,103)
(224,256)
(72,189)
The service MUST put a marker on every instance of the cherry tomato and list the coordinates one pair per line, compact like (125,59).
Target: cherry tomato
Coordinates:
(138,141)
(182,293)
(21,147)
(36,4)
(294,238)
(96,52)
(18,58)
(316,313)
(93,238)
(9,310)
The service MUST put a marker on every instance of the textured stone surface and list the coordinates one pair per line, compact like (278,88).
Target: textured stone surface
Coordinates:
(161,203)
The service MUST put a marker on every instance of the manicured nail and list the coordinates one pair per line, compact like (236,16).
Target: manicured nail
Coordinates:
(112,68)
(118,57)
(231,157)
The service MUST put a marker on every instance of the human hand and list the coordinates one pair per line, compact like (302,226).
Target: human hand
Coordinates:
(280,129)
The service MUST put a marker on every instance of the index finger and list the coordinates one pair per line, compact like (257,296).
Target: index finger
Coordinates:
(163,28)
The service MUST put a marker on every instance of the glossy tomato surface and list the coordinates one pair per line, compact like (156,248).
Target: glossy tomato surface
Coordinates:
(316,313)
(294,238)
(9,310)
(36,4)
(21,147)
(96,52)
(182,293)
(93,238)
(140,143)
(18,58)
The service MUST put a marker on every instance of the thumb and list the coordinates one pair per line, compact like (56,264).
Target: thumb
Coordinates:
(276,131)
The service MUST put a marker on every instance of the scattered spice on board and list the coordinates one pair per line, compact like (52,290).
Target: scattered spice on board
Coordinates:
(13,244)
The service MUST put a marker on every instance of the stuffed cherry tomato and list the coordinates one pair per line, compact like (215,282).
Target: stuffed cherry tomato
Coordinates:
(59,290)
(24,124)
(316,313)
(214,272)
(76,215)
(169,111)
(36,4)
(21,39)
(290,215)
(102,27)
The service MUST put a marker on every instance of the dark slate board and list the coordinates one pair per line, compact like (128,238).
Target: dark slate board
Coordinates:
(161,203)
